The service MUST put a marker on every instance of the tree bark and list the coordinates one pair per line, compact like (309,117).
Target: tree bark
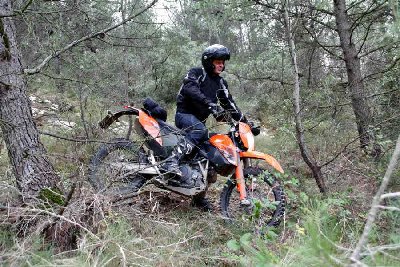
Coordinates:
(312,164)
(31,166)
(355,82)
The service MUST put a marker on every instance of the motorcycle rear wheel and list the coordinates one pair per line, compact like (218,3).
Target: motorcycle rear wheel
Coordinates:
(265,194)
(107,174)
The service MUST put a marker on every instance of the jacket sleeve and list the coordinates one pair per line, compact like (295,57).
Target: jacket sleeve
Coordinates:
(226,101)
(191,87)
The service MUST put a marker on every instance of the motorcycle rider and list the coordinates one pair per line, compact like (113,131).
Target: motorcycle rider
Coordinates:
(201,91)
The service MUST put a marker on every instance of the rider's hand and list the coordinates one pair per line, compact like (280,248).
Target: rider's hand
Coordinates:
(254,129)
(218,112)
(213,108)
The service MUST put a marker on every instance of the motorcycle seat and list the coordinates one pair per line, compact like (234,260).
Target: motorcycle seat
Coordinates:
(167,128)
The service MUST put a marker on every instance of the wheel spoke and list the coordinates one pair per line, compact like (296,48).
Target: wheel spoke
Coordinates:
(266,198)
(114,169)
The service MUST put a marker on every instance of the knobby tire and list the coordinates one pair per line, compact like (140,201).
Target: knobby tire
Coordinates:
(98,177)
(274,216)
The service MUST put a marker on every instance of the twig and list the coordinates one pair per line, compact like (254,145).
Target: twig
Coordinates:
(123,255)
(374,250)
(57,216)
(388,208)
(74,139)
(397,194)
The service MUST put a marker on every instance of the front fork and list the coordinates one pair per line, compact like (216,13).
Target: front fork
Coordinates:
(240,182)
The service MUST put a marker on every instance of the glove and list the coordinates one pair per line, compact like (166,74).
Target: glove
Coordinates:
(213,108)
(254,129)
(217,111)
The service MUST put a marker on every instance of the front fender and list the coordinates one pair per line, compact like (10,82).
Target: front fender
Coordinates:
(259,155)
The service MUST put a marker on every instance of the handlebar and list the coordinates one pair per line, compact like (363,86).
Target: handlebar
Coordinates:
(225,116)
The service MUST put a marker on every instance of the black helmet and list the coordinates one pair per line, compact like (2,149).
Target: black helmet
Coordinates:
(215,51)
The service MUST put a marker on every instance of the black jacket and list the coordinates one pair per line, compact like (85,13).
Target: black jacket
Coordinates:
(199,89)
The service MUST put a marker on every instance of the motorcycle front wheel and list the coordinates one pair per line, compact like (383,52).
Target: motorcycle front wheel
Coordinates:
(109,171)
(267,199)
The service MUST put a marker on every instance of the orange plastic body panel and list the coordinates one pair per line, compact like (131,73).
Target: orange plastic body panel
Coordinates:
(258,155)
(226,146)
(150,125)
(246,136)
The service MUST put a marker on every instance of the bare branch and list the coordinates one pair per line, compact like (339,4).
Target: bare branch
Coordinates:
(340,152)
(397,194)
(351,142)
(365,37)
(7,15)
(365,13)
(349,103)
(269,78)
(388,208)
(25,7)
(92,35)
(390,67)
(74,139)
(47,212)
(324,47)
(17,12)
(374,250)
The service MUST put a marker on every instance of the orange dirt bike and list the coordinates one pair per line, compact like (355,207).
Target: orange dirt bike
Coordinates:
(121,167)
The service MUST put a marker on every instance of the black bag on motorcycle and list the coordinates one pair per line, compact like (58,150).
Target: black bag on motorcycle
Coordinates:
(154,109)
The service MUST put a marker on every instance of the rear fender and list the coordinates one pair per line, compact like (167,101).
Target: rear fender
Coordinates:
(112,117)
(259,155)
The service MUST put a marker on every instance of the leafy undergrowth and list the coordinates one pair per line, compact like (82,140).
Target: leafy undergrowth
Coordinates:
(162,229)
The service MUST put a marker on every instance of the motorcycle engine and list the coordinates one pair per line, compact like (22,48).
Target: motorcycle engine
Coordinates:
(193,173)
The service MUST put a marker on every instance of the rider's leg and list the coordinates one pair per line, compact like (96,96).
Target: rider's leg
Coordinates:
(171,164)
(196,132)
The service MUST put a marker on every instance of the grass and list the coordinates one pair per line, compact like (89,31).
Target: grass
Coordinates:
(162,229)
(131,237)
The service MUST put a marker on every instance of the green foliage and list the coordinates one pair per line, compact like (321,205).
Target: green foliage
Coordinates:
(251,250)
(6,237)
(320,237)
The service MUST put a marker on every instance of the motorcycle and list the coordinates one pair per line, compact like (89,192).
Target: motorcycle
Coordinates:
(121,168)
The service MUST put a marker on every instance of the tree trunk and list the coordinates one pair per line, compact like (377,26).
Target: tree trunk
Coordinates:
(355,81)
(31,167)
(312,164)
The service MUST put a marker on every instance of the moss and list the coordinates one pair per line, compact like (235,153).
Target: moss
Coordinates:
(52,196)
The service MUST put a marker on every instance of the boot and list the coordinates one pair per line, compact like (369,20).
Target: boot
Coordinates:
(201,202)
(171,164)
